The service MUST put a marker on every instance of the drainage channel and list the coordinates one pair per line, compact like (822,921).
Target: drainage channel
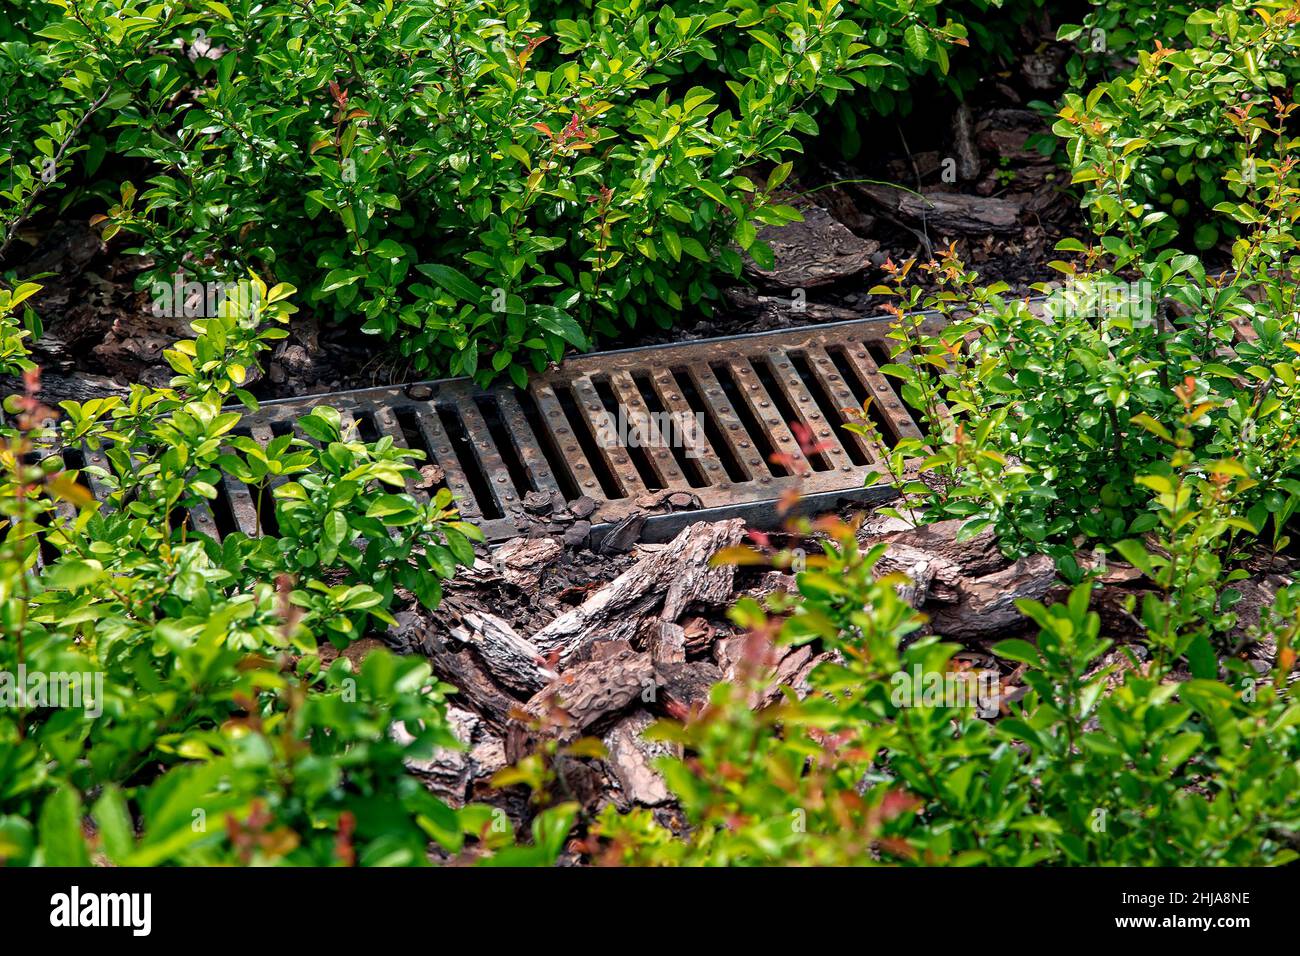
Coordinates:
(705,418)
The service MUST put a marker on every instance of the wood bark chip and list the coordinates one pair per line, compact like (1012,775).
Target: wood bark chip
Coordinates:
(768,312)
(665,642)
(631,760)
(464,670)
(448,772)
(511,660)
(523,561)
(815,252)
(77,387)
(787,671)
(683,688)
(666,582)
(938,565)
(623,536)
(949,212)
(986,607)
(586,694)
(963,137)
(975,556)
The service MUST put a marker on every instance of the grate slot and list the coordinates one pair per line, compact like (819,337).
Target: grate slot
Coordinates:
(572,441)
(529,448)
(888,427)
(753,430)
(475,479)
(881,354)
(201,519)
(705,393)
(222,515)
(385,420)
(643,423)
(438,444)
(264,497)
(621,431)
(605,442)
(243,505)
(832,396)
(478,436)
(679,430)
(490,408)
(792,395)
(859,362)
(706,466)
(766,414)
(408,420)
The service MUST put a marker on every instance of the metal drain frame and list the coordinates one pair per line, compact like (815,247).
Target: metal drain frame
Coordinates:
(763,376)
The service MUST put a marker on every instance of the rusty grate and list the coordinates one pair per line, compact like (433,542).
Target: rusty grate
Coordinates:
(497,448)
(702,418)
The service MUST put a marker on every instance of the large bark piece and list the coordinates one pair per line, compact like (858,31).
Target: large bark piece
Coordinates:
(818,251)
(666,582)
(523,561)
(631,760)
(511,659)
(586,694)
(937,564)
(949,212)
(986,607)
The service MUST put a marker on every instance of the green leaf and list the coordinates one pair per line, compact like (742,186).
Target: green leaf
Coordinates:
(559,323)
(1016,649)
(114,822)
(454,281)
(70,575)
(335,530)
(1135,554)
(62,841)
(1201,659)
(918,41)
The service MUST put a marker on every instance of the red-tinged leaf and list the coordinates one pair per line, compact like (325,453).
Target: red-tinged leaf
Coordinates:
(898,802)
(788,501)
(898,847)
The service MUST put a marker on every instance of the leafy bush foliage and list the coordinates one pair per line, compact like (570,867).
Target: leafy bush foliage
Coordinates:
(1195,110)
(165,696)
(484,184)
(954,44)
(1103,761)
(1042,420)
(1157,424)
(413,164)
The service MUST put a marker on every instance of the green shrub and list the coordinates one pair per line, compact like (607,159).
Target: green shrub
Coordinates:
(1181,112)
(203,724)
(953,44)
(1100,763)
(413,165)
(483,184)
(1041,420)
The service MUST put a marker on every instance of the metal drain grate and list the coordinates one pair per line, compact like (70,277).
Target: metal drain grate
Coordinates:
(564,436)
(714,412)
